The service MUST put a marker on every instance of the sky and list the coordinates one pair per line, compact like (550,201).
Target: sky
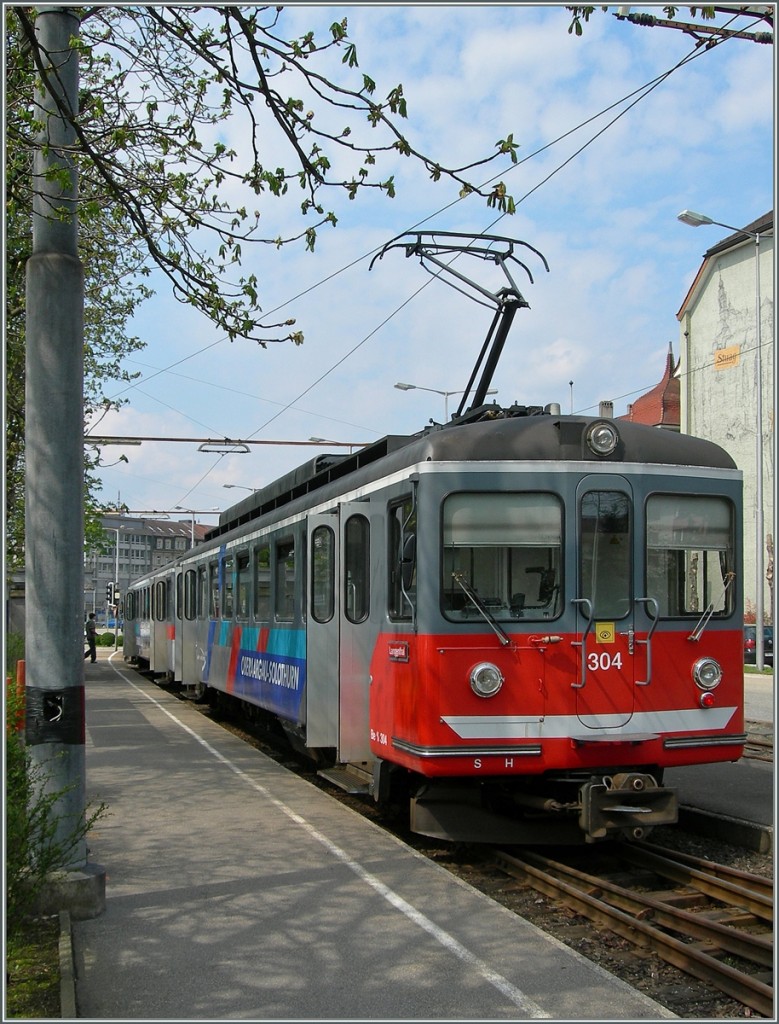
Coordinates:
(605,166)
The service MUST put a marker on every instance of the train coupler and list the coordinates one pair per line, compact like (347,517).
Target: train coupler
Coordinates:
(630,804)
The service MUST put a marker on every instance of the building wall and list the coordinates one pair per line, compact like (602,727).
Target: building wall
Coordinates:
(718,348)
(144,544)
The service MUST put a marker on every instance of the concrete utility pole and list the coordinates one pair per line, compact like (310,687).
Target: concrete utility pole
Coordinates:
(54,461)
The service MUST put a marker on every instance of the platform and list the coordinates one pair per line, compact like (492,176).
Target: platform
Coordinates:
(238,891)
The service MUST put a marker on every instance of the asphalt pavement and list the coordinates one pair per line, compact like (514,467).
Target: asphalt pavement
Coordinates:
(759,704)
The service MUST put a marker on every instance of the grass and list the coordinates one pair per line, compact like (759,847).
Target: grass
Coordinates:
(33,971)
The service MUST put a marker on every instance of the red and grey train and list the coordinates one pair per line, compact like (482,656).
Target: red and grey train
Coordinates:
(516,620)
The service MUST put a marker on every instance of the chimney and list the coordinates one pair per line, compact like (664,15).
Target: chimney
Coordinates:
(606,409)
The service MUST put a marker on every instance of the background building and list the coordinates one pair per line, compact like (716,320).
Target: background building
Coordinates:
(133,546)
(660,406)
(719,367)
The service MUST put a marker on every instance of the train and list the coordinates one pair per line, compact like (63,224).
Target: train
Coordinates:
(511,623)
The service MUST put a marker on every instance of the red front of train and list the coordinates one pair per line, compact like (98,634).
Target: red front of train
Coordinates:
(535,716)
(568,647)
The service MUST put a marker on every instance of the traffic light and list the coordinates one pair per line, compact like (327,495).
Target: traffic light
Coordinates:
(109,593)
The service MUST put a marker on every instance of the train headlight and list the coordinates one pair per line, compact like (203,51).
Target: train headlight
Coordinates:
(602,437)
(486,679)
(707,673)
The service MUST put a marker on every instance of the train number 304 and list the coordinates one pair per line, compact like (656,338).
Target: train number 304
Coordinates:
(603,661)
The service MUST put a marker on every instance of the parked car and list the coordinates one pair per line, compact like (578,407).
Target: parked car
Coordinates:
(750,635)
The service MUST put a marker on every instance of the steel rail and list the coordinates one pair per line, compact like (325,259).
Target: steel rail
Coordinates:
(748,990)
(747,879)
(748,945)
(759,904)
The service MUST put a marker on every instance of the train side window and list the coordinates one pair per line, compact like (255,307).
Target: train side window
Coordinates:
(508,549)
(357,574)
(244,586)
(202,592)
(179,595)
(323,574)
(690,554)
(213,590)
(160,600)
(262,583)
(227,587)
(402,560)
(190,594)
(285,581)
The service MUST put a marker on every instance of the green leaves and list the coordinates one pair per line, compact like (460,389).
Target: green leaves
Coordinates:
(164,87)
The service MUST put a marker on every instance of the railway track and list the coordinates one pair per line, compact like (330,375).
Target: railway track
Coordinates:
(713,923)
(760,741)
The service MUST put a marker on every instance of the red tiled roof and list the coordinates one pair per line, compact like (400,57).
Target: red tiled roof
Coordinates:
(660,407)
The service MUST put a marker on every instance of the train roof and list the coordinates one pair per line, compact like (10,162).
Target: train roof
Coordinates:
(520,433)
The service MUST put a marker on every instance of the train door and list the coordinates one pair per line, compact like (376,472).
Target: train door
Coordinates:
(159,614)
(178,627)
(323,631)
(605,605)
(186,647)
(341,630)
(359,590)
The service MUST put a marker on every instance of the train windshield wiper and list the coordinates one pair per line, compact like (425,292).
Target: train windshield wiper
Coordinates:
(476,601)
(703,621)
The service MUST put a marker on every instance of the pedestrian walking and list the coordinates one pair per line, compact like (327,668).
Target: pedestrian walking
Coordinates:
(91,651)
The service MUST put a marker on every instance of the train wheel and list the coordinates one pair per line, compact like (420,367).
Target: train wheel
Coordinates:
(199,693)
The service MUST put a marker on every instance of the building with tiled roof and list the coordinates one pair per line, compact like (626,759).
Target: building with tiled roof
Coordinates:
(661,406)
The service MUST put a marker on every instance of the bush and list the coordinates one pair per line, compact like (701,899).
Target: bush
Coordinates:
(33,849)
(14,652)
(107,639)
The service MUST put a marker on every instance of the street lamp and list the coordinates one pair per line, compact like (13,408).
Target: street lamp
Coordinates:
(435,391)
(240,487)
(697,220)
(117,530)
(180,508)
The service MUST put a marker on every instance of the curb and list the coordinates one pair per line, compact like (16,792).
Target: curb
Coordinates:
(67,969)
(735,831)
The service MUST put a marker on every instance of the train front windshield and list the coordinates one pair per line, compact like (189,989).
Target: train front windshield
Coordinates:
(505,552)
(690,554)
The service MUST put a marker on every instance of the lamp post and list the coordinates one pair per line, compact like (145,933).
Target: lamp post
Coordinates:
(698,220)
(117,531)
(435,391)
(192,530)
(192,511)
(240,487)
